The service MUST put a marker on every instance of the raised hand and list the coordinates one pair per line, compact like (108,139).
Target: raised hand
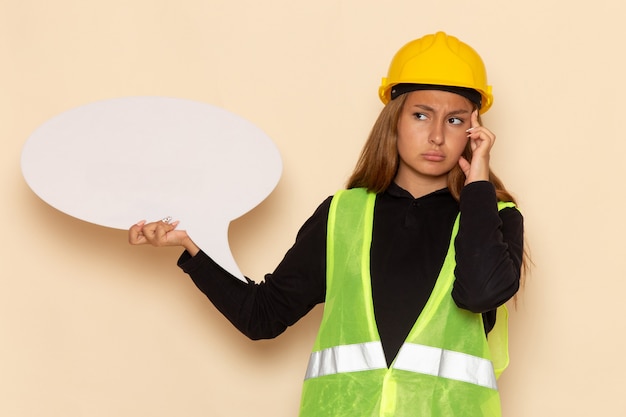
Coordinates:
(481,142)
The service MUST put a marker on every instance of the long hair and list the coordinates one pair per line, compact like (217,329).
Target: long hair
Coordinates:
(378,163)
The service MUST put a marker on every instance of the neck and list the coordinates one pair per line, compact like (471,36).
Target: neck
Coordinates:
(421,187)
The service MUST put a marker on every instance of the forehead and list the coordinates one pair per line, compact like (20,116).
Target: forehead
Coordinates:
(438,99)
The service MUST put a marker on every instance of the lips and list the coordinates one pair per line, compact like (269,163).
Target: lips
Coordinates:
(434,156)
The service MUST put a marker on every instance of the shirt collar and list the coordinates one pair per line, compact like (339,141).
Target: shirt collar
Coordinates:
(395,190)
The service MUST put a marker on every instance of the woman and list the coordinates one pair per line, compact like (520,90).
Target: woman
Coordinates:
(413,260)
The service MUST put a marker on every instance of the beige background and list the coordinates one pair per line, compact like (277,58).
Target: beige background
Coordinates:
(90,326)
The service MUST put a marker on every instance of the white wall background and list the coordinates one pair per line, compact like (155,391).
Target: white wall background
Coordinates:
(90,326)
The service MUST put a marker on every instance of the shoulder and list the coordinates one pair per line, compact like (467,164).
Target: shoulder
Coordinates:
(316,223)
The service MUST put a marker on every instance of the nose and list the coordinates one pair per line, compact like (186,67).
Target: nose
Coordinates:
(436,135)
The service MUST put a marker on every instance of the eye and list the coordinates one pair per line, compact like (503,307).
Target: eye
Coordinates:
(419,116)
(455,121)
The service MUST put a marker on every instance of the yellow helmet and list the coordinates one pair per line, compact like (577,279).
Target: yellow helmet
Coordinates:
(438,59)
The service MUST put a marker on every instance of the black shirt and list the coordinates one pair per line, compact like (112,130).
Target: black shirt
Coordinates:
(409,243)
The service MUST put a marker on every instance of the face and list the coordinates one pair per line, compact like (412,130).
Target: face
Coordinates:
(431,138)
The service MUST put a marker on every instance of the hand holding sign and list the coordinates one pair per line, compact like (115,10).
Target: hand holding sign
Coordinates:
(117,161)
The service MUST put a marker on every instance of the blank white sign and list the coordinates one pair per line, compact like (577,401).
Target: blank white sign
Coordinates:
(118,161)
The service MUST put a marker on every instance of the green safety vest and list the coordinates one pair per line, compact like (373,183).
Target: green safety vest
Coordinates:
(445,368)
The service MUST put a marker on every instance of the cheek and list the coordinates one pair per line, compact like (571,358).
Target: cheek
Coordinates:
(411,135)
(401,138)
(401,146)
(407,144)
(458,143)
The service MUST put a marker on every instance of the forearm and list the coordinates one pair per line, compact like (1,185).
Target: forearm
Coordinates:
(489,248)
(264,310)
(235,299)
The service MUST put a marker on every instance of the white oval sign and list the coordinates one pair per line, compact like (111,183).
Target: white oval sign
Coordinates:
(118,161)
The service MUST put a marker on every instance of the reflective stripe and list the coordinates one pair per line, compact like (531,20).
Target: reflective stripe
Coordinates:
(413,358)
(346,358)
(446,364)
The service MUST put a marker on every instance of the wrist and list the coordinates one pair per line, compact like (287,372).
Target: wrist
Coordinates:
(190,246)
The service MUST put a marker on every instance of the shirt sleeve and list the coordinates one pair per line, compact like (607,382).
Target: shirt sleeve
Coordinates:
(489,249)
(264,310)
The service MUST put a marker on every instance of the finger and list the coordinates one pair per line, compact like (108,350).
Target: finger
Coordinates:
(139,225)
(474,119)
(150,232)
(474,130)
(465,165)
(135,233)
(480,134)
(161,233)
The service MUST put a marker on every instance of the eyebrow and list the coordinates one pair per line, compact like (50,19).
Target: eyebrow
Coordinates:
(453,112)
